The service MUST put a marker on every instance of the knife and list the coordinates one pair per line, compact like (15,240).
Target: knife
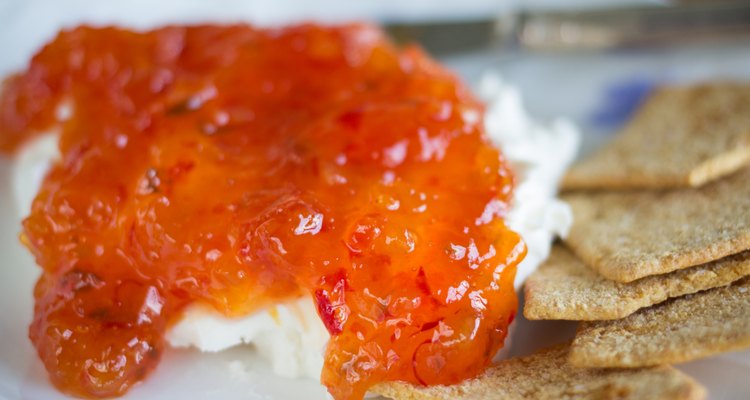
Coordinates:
(597,30)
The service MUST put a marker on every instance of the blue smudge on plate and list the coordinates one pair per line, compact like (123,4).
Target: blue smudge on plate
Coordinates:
(619,101)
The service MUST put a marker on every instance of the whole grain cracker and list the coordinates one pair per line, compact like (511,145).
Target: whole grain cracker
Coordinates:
(565,288)
(629,235)
(679,330)
(681,136)
(547,375)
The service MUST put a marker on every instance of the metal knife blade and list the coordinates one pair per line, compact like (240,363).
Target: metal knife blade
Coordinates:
(643,26)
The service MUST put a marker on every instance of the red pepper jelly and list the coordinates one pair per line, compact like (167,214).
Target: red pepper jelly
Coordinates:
(240,167)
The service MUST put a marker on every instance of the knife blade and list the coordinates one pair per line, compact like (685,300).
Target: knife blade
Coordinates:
(595,30)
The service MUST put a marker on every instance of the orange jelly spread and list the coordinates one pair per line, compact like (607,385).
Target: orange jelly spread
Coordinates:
(240,167)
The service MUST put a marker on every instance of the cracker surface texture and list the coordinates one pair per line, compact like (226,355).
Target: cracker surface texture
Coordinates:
(630,235)
(679,330)
(681,136)
(565,288)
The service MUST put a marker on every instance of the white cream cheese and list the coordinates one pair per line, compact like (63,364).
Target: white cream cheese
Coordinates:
(539,155)
(291,336)
(29,168)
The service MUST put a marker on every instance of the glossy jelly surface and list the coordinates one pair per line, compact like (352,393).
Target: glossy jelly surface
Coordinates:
(240,167)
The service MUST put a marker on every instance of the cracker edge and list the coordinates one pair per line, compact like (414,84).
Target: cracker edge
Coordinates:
(677,286)
(588,355)
(710,169)
(536,363)
(633,269)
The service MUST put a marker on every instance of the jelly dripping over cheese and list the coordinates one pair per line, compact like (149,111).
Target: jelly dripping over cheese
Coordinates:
(241,167)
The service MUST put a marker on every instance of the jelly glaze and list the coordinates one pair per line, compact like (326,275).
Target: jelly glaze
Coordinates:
(240,167)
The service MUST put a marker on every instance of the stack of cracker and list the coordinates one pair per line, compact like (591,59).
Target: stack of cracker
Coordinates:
(657,263)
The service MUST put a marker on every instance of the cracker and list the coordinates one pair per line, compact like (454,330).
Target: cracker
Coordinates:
(629,235)
(679,330)
(681,136)
(547,375)
(565,288)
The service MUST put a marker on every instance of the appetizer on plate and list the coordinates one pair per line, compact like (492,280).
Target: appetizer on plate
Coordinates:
(314,190)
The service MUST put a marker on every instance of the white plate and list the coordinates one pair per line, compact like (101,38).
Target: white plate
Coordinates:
(578,86)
